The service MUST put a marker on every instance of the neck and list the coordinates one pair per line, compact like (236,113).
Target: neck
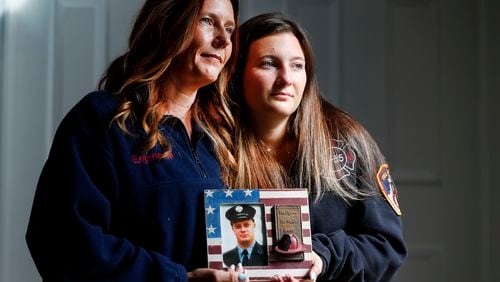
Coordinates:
(271,135)
(277,141)
(245,245)
(178,102)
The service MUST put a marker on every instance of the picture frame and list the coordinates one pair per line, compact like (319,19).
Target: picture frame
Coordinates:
(279,220)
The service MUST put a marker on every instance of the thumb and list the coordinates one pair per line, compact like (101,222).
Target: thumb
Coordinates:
(312,275)
(316,267)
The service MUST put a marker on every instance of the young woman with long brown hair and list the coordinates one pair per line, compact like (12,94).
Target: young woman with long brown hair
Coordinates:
(288,136)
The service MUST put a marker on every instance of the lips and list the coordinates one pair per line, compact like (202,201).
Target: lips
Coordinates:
(281,94)
(214,56)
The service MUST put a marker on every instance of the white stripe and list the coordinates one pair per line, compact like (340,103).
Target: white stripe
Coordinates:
(305,209)
(214,241)
(214,258)
(301,272)
(279,194)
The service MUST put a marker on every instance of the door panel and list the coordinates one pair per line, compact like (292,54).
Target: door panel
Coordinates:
(88,35)
(80,40)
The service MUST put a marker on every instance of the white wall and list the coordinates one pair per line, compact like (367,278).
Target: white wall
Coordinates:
(52,53)
(23,137)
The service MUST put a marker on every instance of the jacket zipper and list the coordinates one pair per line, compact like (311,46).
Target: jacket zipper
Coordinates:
(192,147)
(198,163)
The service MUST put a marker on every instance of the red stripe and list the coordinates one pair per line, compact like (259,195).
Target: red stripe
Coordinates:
(215,264)
(284,265)
(284,201)
(305,217)
(306,232)
(265,191)
(269,233)
(269,217)
(214,249)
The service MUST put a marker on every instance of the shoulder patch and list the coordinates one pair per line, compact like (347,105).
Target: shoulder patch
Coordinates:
(344,158)
(388,188)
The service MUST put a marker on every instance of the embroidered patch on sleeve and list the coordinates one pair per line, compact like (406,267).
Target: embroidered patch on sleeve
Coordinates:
(344,159)
(388,188)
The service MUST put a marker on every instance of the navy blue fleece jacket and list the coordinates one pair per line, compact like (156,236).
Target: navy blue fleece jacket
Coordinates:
(361,240)
(358,242)
(105,211)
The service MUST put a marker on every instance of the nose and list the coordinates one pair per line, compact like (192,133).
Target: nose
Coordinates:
(284,78)
(222,40)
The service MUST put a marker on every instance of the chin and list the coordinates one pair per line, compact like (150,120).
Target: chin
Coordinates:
(283,112)
(212,79)
(212,75)
(208,78)
(209,73)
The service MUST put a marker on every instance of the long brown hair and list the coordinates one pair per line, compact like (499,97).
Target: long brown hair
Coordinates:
(162,30)
(316,125)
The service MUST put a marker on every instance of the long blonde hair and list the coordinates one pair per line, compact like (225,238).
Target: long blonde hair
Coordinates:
(162,31)
(316,126)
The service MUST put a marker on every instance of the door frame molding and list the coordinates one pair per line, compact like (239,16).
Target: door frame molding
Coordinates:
(488,129)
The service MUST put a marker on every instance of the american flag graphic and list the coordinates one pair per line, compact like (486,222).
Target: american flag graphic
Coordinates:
(216,227)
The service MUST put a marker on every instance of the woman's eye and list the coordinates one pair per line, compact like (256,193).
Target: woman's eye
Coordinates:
(268,64)
(298,66)
(206,20)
